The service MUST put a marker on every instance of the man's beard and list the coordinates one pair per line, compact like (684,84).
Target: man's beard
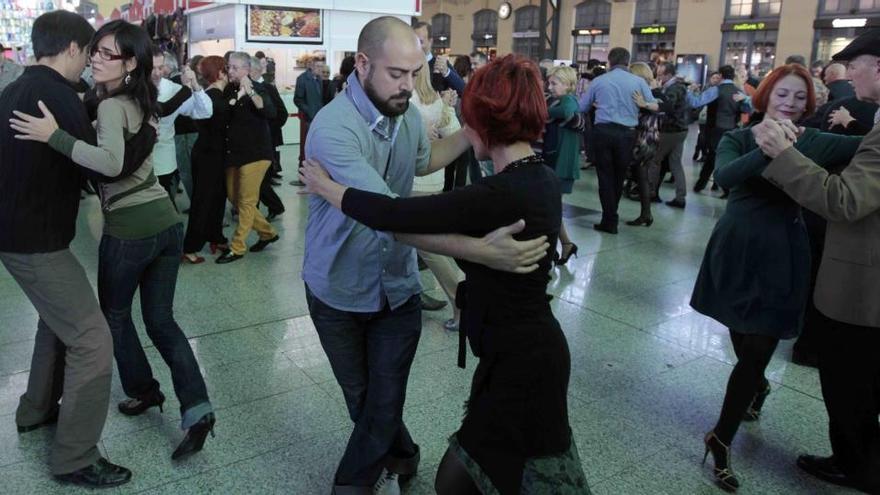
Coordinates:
(392,107)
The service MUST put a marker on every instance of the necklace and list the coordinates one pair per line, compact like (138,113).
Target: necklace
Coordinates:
(522,162)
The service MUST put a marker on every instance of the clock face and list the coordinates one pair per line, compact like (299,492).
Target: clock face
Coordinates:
(504,10)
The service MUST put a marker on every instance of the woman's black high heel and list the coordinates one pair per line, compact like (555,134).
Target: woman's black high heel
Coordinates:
(641,221)
(724,476)
(563,259)
(139,405)
(195,437)
(754,411)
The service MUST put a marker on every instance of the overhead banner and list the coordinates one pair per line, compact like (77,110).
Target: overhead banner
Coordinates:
(284,24)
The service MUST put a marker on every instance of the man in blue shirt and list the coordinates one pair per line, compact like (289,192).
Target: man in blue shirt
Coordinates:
(614,133)
(362,286)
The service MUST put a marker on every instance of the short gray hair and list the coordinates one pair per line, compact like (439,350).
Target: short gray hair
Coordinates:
(243,58)
(170,61)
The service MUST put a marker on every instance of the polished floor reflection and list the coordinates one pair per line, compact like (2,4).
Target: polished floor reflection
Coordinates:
(647,381)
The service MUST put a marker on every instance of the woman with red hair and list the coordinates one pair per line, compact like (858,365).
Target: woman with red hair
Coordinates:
(209,175)
(515,437)
(756,271)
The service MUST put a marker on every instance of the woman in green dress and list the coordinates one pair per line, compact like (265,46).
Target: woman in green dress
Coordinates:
(755,274)
(562,141)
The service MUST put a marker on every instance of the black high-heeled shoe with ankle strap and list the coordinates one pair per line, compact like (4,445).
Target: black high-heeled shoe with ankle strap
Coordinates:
(195,437)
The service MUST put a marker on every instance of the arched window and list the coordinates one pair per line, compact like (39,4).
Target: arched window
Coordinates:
(441,27)
(593,13)
(526,32)
(656,12)
(753,8)
(485,28)
(527,19)
(592,23)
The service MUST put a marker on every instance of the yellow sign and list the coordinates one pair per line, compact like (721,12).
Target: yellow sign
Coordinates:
(653,30)
(749,26)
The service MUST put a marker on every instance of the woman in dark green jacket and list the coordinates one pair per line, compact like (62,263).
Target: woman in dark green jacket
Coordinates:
(562,143)
(755,274)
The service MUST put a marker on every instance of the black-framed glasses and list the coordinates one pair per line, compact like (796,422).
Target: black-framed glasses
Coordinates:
(105,54)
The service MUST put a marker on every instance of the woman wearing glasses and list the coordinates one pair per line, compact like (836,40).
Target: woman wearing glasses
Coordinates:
(143,235)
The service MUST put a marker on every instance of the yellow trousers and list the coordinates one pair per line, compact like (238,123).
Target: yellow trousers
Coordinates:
(243,189)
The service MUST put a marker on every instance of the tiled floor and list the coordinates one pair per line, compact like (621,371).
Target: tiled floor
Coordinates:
(648,373)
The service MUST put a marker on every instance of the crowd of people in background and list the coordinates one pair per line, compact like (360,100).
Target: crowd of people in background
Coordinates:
(414,147)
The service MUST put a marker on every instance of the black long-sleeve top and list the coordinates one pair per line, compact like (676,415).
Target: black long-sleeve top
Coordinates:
(39,187)
(501,311)
(248,138)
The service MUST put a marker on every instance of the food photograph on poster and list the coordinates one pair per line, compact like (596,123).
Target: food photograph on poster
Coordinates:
(284,24)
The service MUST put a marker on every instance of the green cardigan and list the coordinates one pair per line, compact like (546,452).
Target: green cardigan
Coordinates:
(568,150)
(755,275)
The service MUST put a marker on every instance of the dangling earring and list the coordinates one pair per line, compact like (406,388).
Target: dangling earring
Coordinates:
(127,79)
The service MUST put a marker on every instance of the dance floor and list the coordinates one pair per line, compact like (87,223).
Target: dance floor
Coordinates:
(648,373)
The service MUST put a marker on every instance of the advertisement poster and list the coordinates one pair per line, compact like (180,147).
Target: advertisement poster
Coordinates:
(284,24)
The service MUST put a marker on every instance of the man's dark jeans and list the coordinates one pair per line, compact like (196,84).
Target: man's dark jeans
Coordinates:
(150,265)
(613,148)
(371,355)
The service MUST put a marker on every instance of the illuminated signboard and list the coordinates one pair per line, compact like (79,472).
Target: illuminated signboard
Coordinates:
(653,29)
(588,32)
(749,26)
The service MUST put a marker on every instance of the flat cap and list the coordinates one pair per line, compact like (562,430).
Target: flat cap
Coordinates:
(867,43)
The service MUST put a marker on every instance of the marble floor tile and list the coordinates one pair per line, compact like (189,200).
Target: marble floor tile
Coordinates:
(648,374)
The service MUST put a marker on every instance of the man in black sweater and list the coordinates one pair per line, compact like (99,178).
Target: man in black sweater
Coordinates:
(837,82)
(39,199)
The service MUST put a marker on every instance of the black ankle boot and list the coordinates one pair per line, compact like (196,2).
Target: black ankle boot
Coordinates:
(138,405)
(195,437)
(724,476)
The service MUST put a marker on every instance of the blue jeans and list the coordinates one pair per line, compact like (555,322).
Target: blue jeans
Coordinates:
(371,355)
(150,264)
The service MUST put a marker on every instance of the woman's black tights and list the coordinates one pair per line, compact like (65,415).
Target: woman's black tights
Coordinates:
(453,478)
(753,353)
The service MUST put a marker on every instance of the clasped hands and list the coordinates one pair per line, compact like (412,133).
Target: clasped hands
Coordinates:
(776,136)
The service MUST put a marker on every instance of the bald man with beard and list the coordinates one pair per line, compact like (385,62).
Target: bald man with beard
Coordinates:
(362,285)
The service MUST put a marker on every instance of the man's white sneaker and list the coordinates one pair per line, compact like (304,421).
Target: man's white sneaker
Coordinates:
(388,484)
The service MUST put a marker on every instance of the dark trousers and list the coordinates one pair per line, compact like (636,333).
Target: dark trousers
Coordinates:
(151,265)
(613,147)
(72,356)
(715,135)
(371,355)
(268,196)
(701,148)
(807,344)
(303,133)
(849,371)
(208,202)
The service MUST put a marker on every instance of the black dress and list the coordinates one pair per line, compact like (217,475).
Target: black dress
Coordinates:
(517,413)
(209,178)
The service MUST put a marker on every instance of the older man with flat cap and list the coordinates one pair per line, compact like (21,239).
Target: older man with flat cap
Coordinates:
(848,287)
